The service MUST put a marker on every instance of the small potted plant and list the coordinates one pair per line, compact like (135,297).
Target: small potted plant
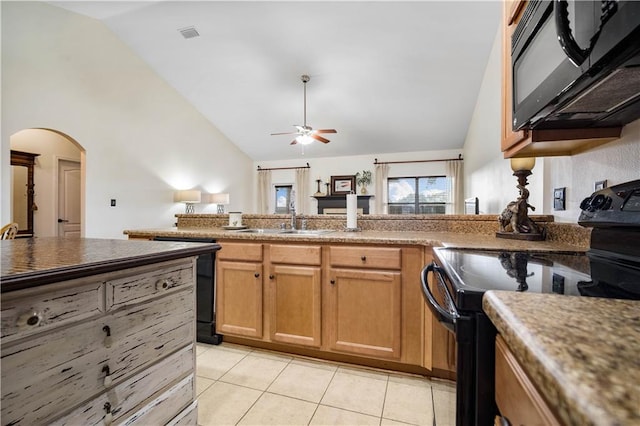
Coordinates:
(363,179)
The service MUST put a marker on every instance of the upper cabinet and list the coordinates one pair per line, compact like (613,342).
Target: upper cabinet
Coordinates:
(545,142)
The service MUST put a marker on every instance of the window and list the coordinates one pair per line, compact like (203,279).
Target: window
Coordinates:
(283,198)
(418,195)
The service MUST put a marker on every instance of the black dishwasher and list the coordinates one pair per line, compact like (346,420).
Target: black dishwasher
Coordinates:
(205,292)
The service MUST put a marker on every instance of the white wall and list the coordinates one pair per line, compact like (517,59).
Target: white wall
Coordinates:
(67,72)
(324,168)
(488,174)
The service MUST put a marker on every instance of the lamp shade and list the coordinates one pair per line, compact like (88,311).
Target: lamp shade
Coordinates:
(221,198)
(187,196)
(523,163)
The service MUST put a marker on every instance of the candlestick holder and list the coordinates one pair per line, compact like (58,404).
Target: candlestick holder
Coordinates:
(318,193)
(515,222)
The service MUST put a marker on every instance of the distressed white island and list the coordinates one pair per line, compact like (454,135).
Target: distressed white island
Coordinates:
(98,331)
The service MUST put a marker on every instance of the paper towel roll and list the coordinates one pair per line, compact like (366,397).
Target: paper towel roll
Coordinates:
(352,211)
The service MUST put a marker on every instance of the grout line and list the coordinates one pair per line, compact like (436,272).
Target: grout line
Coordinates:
(384,400)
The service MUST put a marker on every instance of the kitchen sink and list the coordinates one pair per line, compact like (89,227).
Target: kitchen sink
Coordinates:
(261,231)
(286,231)
(307,231)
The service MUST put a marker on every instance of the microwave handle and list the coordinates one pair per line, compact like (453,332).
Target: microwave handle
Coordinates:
(448,319)
(574,52)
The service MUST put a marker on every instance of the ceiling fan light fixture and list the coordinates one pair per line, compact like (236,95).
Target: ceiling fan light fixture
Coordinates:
(304,139)
(306,134)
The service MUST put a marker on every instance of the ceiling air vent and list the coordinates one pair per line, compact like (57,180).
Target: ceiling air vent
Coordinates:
(189,32)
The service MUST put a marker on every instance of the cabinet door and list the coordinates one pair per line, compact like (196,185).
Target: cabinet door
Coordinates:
(365,312)
(511,11)
(295,304)
(239,298)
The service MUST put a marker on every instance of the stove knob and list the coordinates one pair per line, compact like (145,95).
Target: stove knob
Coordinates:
(597,202)
(584,205)
(607,203)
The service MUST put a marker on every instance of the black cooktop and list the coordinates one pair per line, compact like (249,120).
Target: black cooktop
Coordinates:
(472,272)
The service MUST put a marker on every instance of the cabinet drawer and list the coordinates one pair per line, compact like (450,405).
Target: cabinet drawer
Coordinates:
(366,257)
(250,252)
(162,409)
(295,254)
(30,311)
(128,397)
(142,284)
(188,416)
(516,397)
(44,375)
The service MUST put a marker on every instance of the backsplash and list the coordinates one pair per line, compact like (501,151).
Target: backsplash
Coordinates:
(471,224)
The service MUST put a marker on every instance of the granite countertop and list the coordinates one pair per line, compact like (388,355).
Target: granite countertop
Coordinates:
(27,262)
(426,238)
(582,353)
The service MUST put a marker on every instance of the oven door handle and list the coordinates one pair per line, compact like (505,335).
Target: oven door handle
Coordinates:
(447,318)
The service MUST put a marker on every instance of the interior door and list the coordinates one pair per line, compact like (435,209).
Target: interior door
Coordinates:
(69,179)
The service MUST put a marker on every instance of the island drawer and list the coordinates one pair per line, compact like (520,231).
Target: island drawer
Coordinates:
(30,311)
(39,377)
(144,283)
(295,254)
(365,257)
(248,252)
(128,397)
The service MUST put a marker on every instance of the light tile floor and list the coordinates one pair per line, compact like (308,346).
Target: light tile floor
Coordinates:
(239,385)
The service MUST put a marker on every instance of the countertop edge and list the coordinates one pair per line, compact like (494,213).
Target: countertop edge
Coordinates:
(47,276)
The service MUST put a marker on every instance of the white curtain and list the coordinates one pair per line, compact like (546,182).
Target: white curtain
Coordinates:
(302,190)
(382,173)
(264,190)
(454,173)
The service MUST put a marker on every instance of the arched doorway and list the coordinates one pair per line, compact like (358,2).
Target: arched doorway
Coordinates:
(59,181)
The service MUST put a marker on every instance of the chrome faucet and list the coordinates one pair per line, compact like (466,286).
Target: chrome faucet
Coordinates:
(292,209)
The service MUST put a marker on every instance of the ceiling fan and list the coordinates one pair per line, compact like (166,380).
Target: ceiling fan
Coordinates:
(305,133)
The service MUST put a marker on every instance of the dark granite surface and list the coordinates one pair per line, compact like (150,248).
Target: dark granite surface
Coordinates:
(34,261)
(582,353)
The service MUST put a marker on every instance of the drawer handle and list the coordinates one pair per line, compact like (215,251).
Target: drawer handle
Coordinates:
(108,417)
(108,340)
(29,319)
(163,284)
(363,258)
(107,376)
(257,275)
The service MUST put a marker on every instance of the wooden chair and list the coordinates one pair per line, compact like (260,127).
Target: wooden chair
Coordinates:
(9,231)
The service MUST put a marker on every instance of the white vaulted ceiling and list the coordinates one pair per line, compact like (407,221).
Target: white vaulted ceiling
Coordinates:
(390,76)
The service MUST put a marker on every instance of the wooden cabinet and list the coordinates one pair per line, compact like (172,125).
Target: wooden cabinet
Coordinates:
(294,288)
(65,346)
(239,289)
(538,143)
(364,301)
(346,302)
(516,397)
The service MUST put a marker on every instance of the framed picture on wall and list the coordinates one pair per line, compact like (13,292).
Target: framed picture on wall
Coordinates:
(343,184)
(601,184)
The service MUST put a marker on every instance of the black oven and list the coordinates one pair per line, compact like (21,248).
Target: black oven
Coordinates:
(576,64)
(453,286)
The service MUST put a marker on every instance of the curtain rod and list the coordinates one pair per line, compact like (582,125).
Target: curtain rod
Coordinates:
(417,161)
(286,168)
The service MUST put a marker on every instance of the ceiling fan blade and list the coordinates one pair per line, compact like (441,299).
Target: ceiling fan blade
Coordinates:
(284,133)
(326,131)
(320,138)
(293,142)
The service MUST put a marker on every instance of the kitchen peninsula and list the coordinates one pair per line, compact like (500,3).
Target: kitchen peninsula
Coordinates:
(98,330)
(263,278)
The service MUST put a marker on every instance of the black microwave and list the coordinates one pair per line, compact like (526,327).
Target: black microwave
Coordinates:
(576,64)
